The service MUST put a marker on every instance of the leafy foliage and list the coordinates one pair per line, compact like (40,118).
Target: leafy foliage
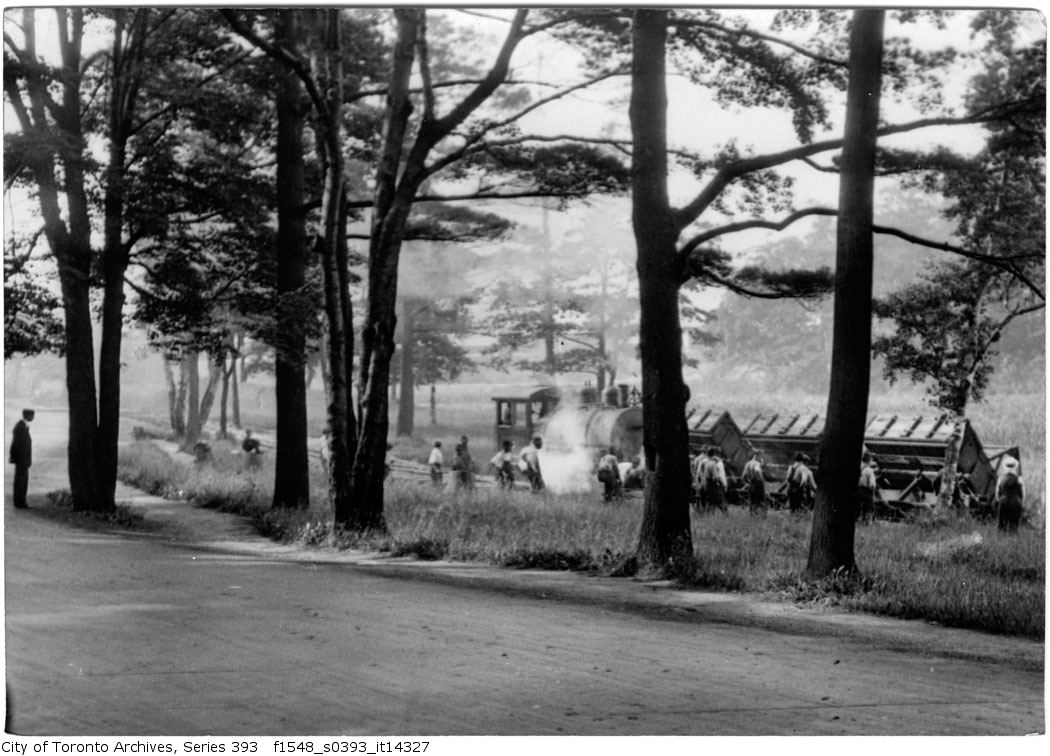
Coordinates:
(943,334)
(31,323)
(949,322)
(564,171)
(438,356)
(444,222)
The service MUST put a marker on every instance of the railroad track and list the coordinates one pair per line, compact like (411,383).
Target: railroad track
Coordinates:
(399,468)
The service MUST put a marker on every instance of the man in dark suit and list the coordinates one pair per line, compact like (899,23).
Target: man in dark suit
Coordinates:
(22,457)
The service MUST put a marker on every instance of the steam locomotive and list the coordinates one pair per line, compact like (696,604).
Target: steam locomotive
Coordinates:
(570,419)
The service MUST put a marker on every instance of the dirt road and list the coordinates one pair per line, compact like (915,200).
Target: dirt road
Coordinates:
(149,633)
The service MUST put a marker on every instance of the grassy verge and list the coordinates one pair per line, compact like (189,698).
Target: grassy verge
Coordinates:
(58,505)
(960,573)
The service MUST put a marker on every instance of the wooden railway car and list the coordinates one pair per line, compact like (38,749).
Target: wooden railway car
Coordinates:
(909,450)
(717,428)
(780,437)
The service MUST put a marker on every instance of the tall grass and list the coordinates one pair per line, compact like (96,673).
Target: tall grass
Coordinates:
(960,573)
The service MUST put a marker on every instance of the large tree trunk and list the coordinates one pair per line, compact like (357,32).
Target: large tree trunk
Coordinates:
(70,244)
(127,57)
(406,408)
(215,372)
(398,178)
(665,537)
(835,514)
(950,469)
(169,380)
(84,484)
(603,357)
(549,358)
(390,214)
(378,349)
(340,429)
(178,424)
(193,409)
(235,390)
(291,486)
(224,400)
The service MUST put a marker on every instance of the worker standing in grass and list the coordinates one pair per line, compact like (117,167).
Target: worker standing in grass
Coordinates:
(437,465)
(699,465)
(713,481)
(1009,493)
(801,487)
(867,489)
(469,469)
(755,483)
(461,477)
(609,476)
(634,479)
(530,456)
(252,448)
(503,462)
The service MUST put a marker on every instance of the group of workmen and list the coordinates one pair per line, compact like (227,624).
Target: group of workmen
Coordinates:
(505,464)
(616,478)
(710,483)
(710,486)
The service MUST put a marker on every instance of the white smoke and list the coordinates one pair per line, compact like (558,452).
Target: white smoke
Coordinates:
(565,460)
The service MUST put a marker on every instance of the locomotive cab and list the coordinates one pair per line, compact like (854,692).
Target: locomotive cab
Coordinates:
(521,412)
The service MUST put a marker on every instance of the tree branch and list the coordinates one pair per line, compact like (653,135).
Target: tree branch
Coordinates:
(1003,263)
(737,288)
(732,228)
(744,32)
(993,260)
(493,79)
(471,143)
(732,171)
(994,336)
(382,91)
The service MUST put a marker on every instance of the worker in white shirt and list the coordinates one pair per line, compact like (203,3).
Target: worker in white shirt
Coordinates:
(530,455)
(868,488)
(1009,493)
(437,465)
(755,483)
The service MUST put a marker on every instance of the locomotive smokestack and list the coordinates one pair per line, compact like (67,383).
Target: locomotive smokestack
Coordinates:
(612,397)
(625,393)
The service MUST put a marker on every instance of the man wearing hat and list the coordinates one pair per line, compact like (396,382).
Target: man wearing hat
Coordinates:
(1009,492)
(22,457)
(801,486)
(867,488)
